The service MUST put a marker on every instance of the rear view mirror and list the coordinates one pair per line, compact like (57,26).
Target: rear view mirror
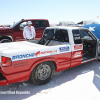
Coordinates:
(21,27)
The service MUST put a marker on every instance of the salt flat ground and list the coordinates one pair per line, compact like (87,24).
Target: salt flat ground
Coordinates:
(78,83)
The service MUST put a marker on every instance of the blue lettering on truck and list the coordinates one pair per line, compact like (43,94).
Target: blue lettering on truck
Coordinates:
(62,49)
(23,56)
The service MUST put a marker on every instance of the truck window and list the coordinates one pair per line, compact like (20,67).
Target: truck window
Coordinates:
(22,25)
(86,34)
(53,37)
(76,36)
(61,35)
(48,34)
(40,24)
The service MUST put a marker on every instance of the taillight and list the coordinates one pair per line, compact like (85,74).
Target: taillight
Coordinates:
(5,61)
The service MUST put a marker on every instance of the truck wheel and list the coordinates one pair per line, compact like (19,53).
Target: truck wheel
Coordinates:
(99,58)
(42,73)
(4,40)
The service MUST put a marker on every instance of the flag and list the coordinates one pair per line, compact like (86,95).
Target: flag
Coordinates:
(97,16)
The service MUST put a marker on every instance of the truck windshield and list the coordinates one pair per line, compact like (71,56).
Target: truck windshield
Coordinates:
(12,26)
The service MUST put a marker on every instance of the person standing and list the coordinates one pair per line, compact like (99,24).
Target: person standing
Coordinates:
(29,31)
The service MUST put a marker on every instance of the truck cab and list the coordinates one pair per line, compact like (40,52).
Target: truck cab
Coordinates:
(83,43)
(15,32)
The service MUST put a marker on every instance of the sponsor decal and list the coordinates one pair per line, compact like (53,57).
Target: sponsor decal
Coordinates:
(77,54)
(76,47)
(62,49)
(23,56)
(21,64)
(45,52)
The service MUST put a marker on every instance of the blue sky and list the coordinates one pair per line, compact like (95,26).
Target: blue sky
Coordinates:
(53,10)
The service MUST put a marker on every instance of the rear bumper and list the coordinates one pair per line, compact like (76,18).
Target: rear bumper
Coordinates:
(3,80)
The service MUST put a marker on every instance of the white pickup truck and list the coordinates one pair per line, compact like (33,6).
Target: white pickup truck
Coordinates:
(60,48)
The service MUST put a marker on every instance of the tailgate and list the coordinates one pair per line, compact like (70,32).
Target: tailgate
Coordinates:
(3,80)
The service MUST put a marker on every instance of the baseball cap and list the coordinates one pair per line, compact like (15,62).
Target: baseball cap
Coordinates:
(29,22)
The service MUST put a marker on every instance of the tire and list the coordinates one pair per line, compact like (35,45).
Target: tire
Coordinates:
(5,41)
(42,73)
(98,54)
(99,58)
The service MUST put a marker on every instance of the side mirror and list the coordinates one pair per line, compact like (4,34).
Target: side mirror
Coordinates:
(21,27)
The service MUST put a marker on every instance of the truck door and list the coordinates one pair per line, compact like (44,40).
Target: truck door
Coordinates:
(40,26)
(61,41)
(89,42)
(77,48)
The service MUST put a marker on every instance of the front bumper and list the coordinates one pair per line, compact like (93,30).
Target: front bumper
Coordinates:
(3,80)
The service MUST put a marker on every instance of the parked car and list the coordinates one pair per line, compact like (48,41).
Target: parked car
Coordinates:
(15,32)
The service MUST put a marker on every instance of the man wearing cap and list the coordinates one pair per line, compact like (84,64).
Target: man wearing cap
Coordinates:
(29,31)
